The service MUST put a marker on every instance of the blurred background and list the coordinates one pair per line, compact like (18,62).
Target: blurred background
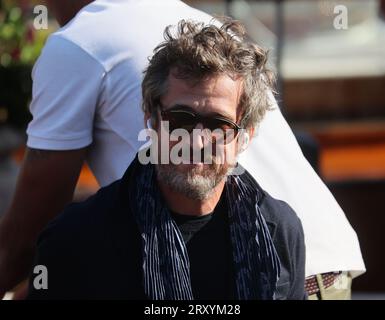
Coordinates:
(331,83)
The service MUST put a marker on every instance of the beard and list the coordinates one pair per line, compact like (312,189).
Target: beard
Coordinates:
(196,182)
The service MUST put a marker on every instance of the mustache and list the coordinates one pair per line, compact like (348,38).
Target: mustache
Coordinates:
(200,156)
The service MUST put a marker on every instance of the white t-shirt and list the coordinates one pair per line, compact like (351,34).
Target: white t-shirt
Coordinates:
(87,91)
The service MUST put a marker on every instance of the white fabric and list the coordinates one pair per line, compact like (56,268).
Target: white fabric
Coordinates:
(275,159)
(87,91)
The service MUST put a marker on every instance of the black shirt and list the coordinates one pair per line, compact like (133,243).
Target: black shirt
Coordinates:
(207,239)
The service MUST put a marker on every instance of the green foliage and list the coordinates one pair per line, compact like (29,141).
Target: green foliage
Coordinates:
(20,46)
(20,43)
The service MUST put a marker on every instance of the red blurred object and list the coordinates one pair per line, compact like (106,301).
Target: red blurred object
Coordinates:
(30,36)
(16,54)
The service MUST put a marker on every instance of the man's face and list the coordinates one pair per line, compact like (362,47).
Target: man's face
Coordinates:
(213,98)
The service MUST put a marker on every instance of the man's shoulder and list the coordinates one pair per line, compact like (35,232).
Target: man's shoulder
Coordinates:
(60,47)
(113,33)
(86,240)
(86,217)
(279,214)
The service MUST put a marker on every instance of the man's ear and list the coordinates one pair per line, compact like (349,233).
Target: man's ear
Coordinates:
(147,120)
(150,121)
(244,139)
(251,133)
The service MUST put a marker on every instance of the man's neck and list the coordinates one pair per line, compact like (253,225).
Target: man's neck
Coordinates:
(65,13)
(181,204)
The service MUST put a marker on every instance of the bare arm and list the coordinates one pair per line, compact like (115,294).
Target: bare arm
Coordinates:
(45,185)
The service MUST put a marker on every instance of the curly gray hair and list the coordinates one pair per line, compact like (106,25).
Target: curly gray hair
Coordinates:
(199,50)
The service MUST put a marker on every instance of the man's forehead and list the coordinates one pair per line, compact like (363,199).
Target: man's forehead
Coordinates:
(217,94)
(214,87)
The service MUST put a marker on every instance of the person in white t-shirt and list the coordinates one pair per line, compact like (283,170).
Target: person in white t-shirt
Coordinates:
(86,107)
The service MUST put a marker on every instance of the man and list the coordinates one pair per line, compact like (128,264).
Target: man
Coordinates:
(192,230)
(86,106)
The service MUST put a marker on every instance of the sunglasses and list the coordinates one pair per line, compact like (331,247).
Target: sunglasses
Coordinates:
(188,120)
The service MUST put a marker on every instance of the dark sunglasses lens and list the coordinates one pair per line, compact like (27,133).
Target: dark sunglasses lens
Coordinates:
(214,124)
(221,130)
(180,120)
